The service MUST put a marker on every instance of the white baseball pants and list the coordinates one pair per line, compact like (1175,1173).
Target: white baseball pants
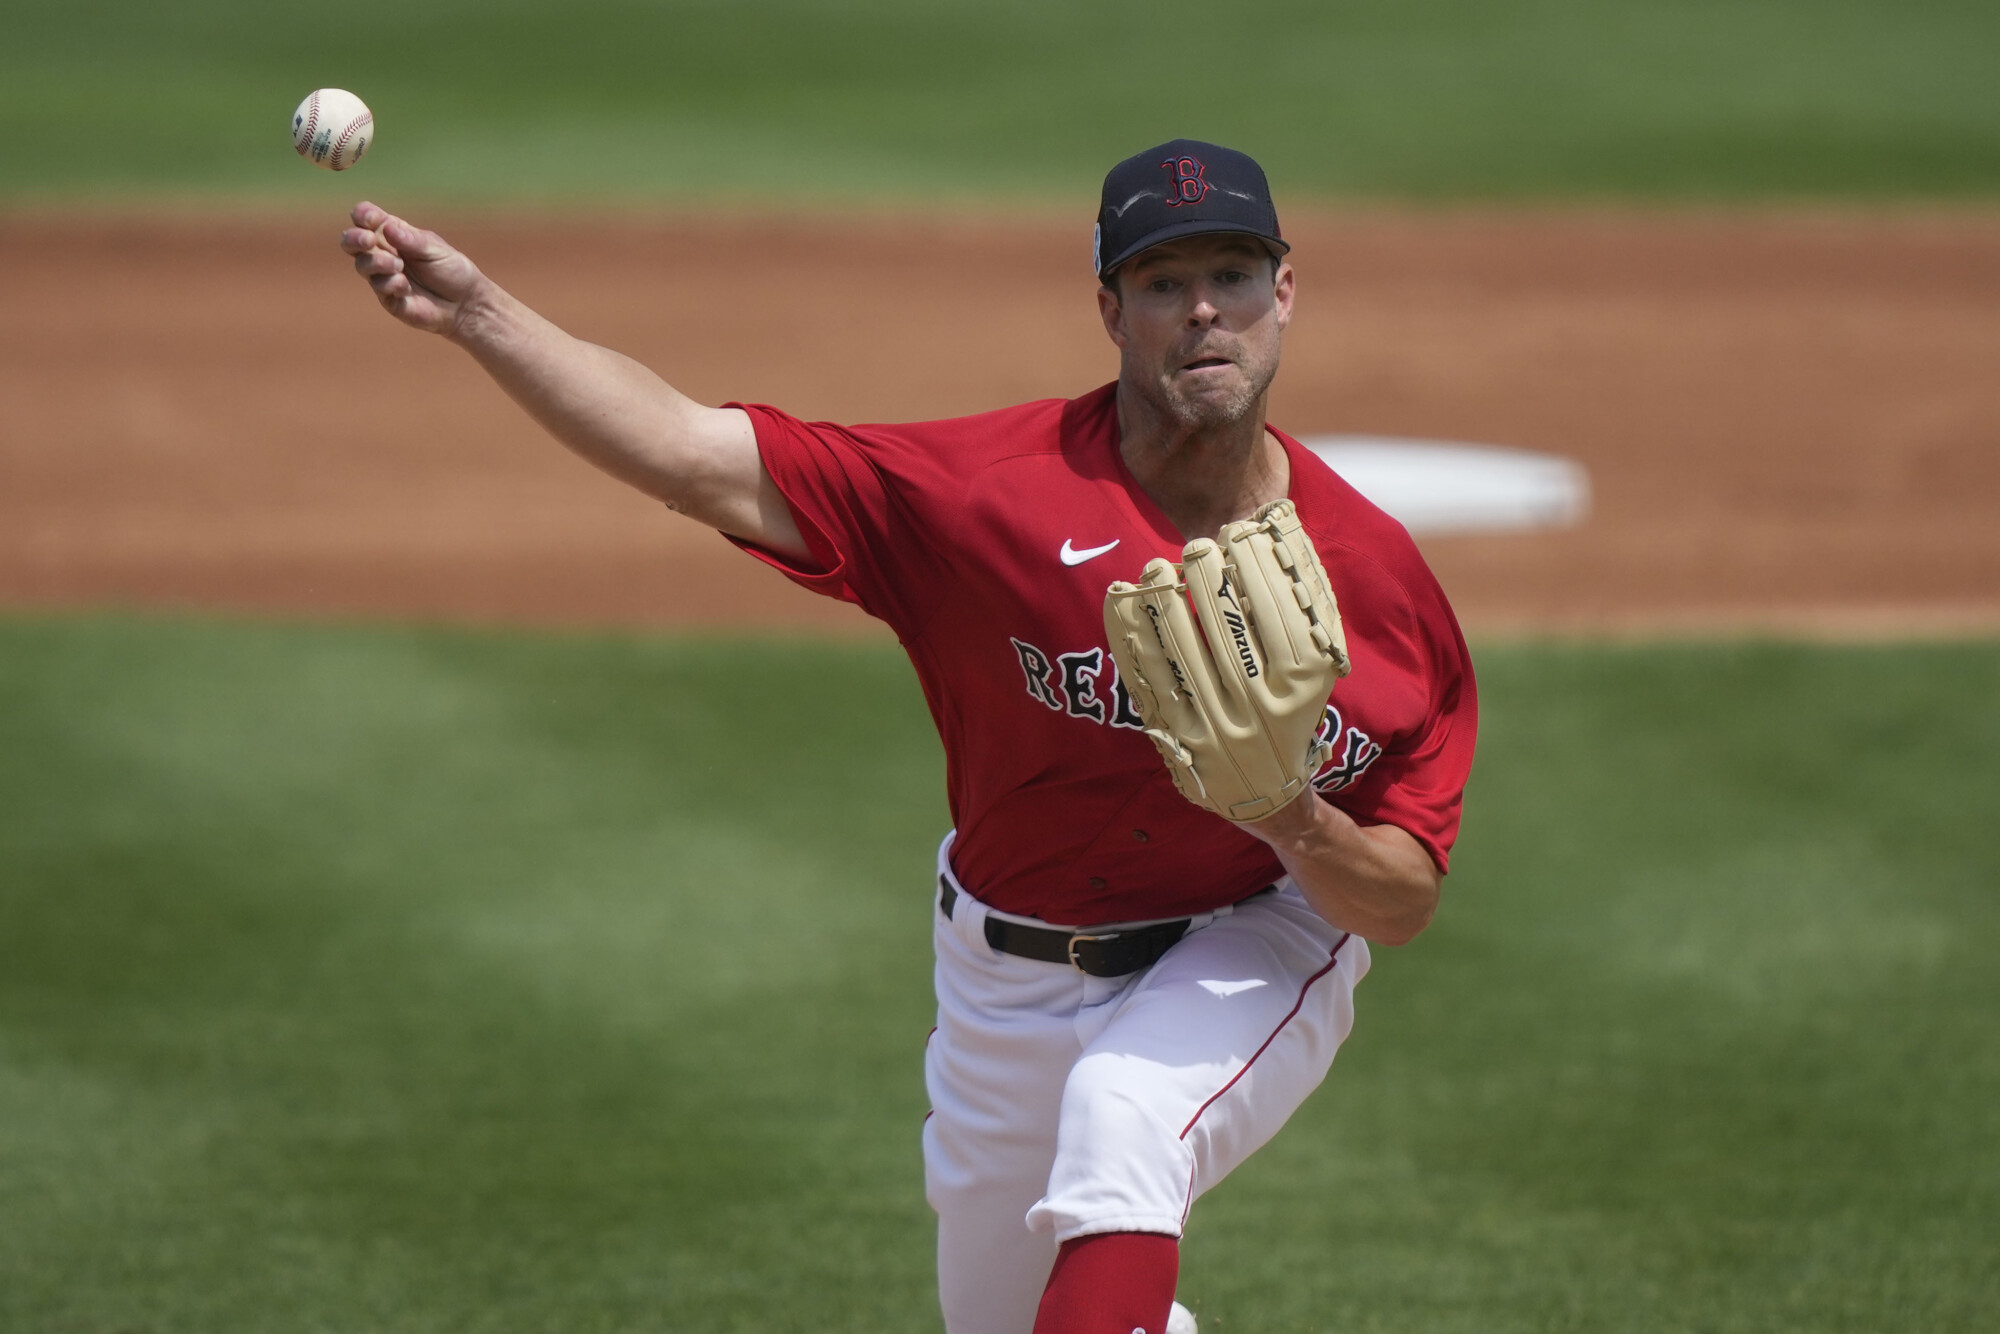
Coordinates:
(1064,1105)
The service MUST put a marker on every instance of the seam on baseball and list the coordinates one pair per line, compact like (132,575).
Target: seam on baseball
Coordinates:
(304,146)
(365,120)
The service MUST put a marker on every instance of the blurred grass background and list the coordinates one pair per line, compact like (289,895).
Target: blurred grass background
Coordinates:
(423,980)
(1003,105)
(426,980)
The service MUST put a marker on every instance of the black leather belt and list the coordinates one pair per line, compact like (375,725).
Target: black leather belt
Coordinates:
(1098,953)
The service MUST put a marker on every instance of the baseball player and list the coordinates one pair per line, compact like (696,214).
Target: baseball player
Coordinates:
(1173,836)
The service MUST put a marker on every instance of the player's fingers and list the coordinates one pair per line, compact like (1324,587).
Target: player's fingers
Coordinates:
(419,245)
(355,240)
(371,263)
(390,284)
(408,305)
(368,216)
(417,310)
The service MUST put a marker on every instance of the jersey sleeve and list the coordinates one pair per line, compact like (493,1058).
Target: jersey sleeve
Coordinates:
(1418,783)
(857,506)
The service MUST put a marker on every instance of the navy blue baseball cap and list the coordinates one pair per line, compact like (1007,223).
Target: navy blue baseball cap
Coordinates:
(1182,188)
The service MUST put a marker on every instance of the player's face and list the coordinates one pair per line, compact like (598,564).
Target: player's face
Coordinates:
(1198,323)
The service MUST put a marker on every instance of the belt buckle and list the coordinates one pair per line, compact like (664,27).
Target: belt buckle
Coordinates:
(1079,938)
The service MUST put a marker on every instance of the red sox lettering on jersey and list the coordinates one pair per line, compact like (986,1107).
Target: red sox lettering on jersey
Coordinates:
(1073,684)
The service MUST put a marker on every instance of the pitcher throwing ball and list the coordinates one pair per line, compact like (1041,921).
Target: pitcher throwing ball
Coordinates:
(1175,836)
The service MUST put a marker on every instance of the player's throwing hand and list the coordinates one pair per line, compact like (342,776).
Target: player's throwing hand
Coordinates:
(417,276)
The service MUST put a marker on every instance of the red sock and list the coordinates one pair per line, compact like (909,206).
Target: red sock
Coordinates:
(1111,1283)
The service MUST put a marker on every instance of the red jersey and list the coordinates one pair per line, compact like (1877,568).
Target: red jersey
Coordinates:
(987,542)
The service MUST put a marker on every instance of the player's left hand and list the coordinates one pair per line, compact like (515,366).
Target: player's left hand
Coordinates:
(1235,706)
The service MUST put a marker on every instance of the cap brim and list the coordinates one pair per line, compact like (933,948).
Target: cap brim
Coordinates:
(1199,227)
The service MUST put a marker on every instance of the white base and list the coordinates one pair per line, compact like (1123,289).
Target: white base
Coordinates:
(1438,487)
(1181,1321)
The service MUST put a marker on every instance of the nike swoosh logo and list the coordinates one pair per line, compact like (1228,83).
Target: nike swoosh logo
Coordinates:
(1071,556)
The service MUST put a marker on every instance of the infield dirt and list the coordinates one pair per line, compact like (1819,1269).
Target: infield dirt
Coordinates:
(1790,422)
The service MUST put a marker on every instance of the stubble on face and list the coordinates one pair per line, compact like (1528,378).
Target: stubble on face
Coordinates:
(1193,403)
(1211,377)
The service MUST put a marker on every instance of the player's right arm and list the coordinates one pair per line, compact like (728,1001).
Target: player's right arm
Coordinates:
(606,407)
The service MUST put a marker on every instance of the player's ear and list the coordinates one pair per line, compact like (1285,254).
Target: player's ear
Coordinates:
(1285,285)
(1111,309)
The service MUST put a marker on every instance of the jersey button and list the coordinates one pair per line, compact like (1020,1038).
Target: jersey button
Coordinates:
(1097,882)
(1139,836)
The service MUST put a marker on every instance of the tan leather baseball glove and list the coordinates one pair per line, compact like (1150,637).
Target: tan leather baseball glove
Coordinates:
(1234,706)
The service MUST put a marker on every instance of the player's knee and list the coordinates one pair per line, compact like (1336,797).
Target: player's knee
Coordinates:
(1119,1159)
(1113,1104)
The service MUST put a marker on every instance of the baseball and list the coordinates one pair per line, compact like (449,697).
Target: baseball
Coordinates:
(332,128)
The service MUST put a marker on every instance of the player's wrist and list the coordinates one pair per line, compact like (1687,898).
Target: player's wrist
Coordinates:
(1293,826)
(485,316)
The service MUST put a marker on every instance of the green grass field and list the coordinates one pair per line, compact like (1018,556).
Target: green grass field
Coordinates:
(1004,104)
(424,980)
(437,982)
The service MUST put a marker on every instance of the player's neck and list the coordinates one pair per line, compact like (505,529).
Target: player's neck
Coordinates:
(1201,477)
